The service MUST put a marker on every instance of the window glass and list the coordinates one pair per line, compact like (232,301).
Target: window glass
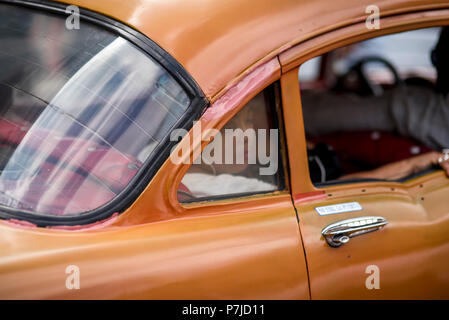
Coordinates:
(243,158)
(80,112)
(407,51)
(382,110)
(310,70)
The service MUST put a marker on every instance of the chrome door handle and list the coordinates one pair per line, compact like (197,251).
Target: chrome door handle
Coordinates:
(340,232)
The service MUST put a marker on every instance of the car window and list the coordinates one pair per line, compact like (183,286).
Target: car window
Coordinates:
(244,157)
(382,111)
(408,51)
(80,113)
(310,70)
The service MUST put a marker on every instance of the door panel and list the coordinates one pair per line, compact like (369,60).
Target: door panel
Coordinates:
(411,252)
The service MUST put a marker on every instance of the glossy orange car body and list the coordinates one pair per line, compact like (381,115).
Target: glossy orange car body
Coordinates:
(252,247)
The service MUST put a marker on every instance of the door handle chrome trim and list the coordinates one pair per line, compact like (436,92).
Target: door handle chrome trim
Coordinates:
(339,233)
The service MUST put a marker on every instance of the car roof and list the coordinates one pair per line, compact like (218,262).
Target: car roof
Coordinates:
(216,40)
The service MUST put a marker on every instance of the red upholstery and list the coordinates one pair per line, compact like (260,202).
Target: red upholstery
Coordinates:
(370,148)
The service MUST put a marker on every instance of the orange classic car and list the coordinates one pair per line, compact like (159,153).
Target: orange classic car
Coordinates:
(116,117)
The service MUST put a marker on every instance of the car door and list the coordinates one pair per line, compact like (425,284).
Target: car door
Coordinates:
(407,259)
(406,253)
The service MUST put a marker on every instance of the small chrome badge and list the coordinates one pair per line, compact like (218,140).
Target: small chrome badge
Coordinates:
(339,208)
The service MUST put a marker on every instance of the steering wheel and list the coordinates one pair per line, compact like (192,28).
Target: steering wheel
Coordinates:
(367,87)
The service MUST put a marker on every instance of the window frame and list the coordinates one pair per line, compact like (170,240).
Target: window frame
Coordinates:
(218,124)
(198,102)
(302,187)
(277,110)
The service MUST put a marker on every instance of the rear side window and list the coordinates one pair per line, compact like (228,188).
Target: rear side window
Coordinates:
(244,158)
(80,113)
